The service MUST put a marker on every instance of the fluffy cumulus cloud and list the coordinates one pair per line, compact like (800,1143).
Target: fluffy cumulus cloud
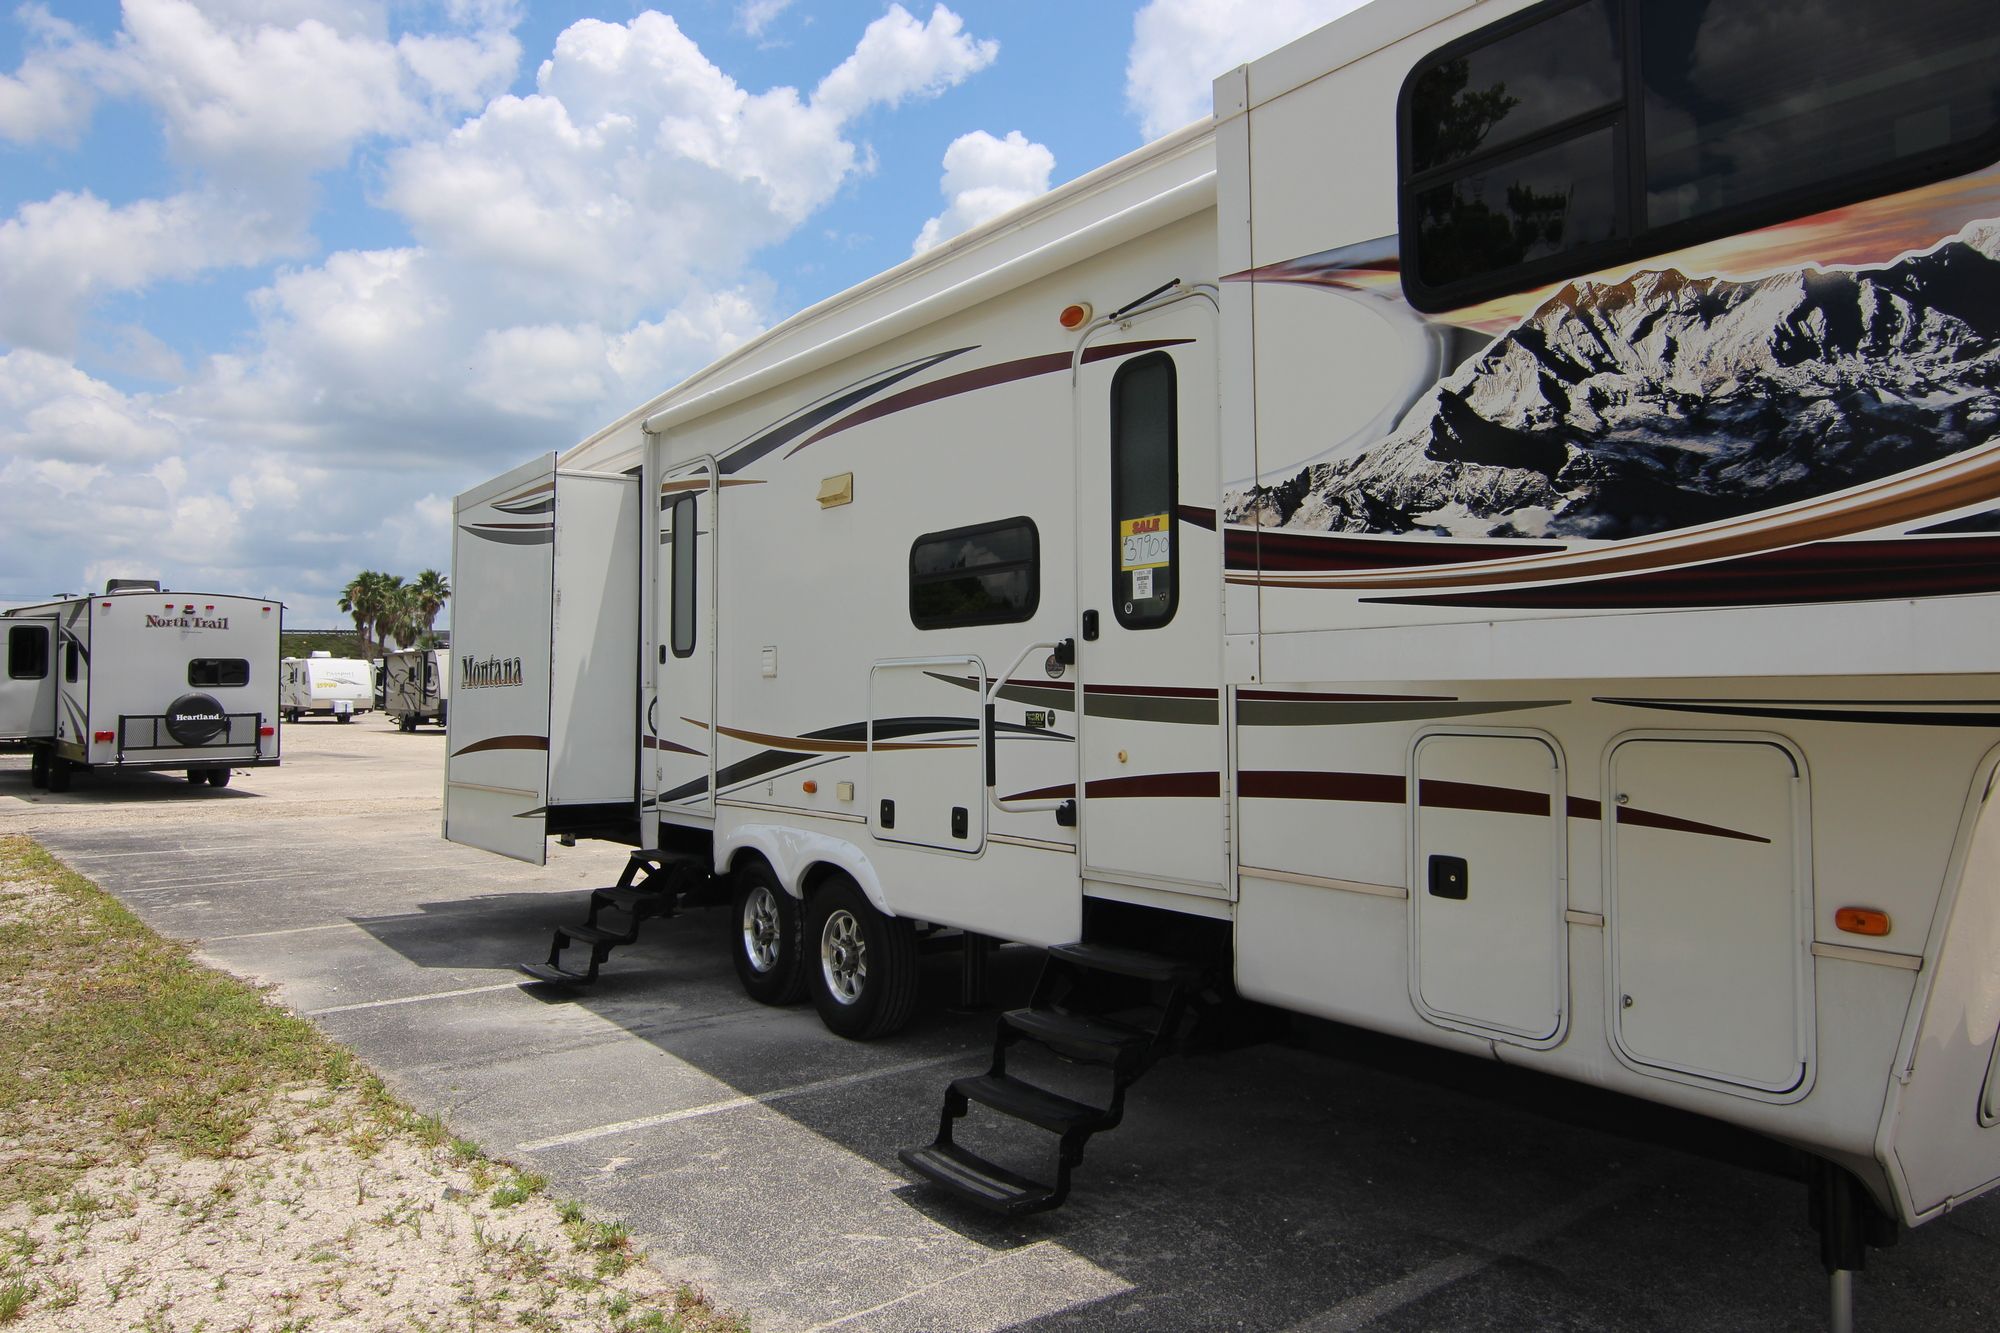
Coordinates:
(983,178)
(1178,47)
(574,249)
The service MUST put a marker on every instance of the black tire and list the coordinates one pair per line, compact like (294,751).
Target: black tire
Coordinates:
(218,777)
(58,775)
(343,717)
(860,964)
(194,775)
(766,939)
(38,769)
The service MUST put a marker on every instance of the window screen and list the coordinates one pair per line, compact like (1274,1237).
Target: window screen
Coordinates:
(987,574)
(28,652)
(684,530)
(1573,135)
(218,671)
(1145,478)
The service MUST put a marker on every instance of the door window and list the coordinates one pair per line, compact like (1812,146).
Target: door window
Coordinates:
(28,652)
(1145,479)
(682,516)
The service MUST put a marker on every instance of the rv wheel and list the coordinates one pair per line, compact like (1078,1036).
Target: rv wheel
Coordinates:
(766,945)
(58,775)
(862,965)
(194,776)
(218,777)
(38,769)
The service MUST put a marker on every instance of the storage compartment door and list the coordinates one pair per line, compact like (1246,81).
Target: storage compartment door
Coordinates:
(28,685)
(503,591)
(1488,892)
(1708,909)
(926,773)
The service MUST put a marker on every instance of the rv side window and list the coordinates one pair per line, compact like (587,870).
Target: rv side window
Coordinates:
(684,530)
(1145,479)
(1572,136)
(72,654)
(28,652)
(218,671)
(987,574)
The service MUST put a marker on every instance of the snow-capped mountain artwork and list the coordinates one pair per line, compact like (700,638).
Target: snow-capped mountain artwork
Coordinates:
(1664,400)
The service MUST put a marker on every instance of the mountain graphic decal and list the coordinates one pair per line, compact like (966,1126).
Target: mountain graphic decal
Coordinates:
(1663,401)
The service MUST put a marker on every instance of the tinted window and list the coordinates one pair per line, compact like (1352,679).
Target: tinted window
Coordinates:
(218,671)
(1526,157)
(682,516)
(1145,479)
(28,652)
(72,654)
(987,574)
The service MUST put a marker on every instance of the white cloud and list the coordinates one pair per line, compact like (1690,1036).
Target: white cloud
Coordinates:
(754,16)
(898,57)
(983,178)
(1179,46)
(49,96)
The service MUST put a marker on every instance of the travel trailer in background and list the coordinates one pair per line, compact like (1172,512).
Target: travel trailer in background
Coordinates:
(1492,540)
(138,678)
(415,686)
(337,687)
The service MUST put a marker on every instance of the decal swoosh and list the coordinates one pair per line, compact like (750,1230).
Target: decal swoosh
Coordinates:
(504,743)
(511,534)
(748,452)
(1816,710)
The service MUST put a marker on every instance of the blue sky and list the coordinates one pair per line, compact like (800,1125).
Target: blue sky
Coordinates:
(278,278)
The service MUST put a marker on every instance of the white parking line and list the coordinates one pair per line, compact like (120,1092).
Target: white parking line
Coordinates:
(1362,1310)
(738,1103)
(295,930)
(413,999)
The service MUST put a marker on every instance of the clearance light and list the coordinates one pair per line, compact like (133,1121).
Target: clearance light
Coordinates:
(1862,921)
(208,608)
(810,786)
(267,731)
(107,606)
(104,735)
(1074,316)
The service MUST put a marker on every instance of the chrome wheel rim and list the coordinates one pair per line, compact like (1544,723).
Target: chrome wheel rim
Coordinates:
(843,956)
(761,938)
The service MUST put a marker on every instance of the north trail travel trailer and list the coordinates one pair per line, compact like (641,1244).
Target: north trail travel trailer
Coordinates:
(1495,535)
(338,687)
(415,686)
(140,678)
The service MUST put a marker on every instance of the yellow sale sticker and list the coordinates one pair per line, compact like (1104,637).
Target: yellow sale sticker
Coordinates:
(1144,543)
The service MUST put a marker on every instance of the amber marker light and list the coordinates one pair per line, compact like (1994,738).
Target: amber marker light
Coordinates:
(810,786)
(1074,316)
(1862,921)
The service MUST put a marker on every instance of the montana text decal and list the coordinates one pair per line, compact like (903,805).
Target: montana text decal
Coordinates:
(475,674)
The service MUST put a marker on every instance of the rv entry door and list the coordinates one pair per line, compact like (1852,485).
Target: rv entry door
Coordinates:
(683,707)
(1150,744)
(28,689)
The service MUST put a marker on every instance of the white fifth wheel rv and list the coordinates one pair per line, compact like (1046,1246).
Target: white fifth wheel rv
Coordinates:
(415,686)
(337,687)
(1493,539)
(137,678)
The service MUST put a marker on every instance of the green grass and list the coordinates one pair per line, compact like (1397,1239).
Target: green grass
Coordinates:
(118,1041)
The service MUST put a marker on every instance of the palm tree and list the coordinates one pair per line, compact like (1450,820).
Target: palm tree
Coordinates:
(362,599)
(430,592)
(391,612)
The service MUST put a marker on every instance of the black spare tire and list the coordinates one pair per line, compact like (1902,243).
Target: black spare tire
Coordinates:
(196,719)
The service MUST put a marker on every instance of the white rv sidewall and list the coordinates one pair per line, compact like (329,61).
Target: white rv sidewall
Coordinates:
(794,851)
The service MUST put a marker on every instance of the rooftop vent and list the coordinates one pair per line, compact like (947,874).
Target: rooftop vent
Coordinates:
(131,585)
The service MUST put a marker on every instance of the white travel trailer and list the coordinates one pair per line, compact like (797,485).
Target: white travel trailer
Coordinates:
(416,687)
(1493,538)
(337,687)
(138,678)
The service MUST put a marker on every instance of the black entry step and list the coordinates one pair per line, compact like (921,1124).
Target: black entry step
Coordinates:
(1127,962)
(553,975)
(599,935)
(973,1178)
(635,901)
(1080,1036)
(1024,1101)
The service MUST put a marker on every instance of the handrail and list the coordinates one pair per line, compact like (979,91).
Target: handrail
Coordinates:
(1063,649)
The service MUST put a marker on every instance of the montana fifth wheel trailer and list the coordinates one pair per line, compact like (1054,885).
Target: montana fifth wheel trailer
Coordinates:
(415,686)
(338,687)
(1491,541)
(137,678)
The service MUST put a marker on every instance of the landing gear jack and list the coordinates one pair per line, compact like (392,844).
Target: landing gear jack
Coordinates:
(1848,1222)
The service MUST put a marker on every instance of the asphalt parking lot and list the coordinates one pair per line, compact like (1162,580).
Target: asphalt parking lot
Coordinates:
(1321,1181)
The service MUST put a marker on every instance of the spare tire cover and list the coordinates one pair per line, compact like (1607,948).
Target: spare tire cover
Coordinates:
(196,719)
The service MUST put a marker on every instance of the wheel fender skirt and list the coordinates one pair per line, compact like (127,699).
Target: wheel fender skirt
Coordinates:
(793,851)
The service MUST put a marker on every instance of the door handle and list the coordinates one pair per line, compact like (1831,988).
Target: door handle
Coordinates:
(1089,626)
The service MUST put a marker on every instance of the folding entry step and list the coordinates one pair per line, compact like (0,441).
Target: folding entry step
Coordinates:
(1097,1005)
(652,885)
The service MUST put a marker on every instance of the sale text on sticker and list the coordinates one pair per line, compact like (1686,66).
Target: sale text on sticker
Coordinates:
(1144,543)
